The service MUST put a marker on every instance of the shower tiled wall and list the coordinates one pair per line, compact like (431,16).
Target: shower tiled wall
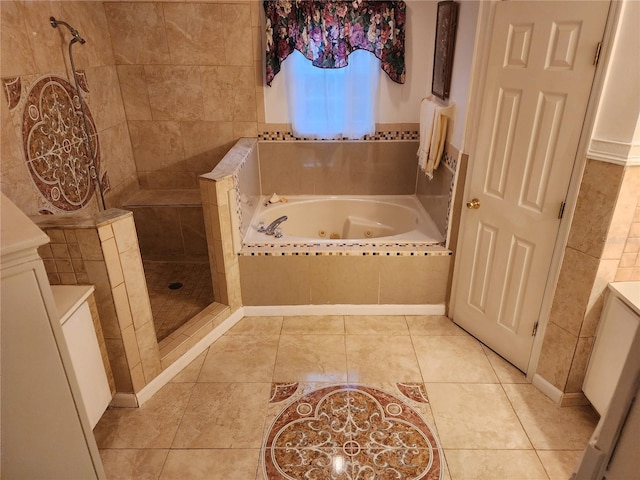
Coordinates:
(602,247)
(191,79)
(31,50)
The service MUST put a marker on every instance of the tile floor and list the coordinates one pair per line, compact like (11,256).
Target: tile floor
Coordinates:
(172,308)
(209,422)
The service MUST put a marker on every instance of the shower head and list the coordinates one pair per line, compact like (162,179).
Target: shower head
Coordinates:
(76,36)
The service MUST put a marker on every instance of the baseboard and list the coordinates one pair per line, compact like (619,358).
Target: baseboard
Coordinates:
(573,400)
(557,396)
(172,370)
(124,400)
(551,391)
(274,310)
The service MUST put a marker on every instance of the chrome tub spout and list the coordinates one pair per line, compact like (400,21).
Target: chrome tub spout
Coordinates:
(273,226)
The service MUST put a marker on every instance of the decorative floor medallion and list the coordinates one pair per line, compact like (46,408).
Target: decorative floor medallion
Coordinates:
(347,432)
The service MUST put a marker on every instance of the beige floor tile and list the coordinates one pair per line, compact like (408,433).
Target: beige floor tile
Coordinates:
(453,359)
(321,324)
(475,416)
(560,464)
(257,326)
(378,358)
(153,425)
(549,426)
(494,465)
(506,372)
(224,415)
(189,374)
(211,464)
(433,325)
(240,358)
(375,325)
(133,464)
(311,358)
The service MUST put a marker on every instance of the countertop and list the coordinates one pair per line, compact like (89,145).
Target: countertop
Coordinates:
(628,292)
(69,297)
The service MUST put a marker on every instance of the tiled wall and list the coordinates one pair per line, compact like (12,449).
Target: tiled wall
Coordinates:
(190,75)
(225,269)
(338,168)
(435,195)
(102,344)
(326,279)
(32,50)
(104,252)
(602,244)
(170,224)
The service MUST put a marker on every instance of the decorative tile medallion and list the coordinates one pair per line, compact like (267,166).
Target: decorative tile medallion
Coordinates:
(282,391)
(55,144)
(12,91)
(413,391)
(347,432)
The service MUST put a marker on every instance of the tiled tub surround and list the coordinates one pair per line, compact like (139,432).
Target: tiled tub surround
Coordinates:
(103,250)
(366,273)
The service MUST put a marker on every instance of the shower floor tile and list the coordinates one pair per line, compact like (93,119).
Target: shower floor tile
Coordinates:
(343,400)
(177,292)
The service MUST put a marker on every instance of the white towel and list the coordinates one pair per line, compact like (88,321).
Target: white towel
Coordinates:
(434,123)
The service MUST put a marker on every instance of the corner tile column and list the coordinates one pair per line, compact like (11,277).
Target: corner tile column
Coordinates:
(599,244)
(225,267)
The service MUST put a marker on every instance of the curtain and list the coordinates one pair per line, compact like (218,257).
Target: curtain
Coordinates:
(327,32)
(329,103)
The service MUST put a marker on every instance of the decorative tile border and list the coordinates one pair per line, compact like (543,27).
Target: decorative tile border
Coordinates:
(450,159)
(342,249)
(384,136)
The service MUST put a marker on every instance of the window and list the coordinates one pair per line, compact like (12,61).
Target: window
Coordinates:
(333,102)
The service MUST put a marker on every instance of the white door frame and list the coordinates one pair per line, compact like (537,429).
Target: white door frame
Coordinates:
(484,29)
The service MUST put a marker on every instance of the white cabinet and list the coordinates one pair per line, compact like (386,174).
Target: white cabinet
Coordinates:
(84,350)
(45,431)
(617,329)
(612,384)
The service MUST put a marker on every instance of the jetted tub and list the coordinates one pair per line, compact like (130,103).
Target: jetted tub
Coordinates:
(345,219)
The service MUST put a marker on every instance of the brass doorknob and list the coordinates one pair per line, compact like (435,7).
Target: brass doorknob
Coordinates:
(474,204)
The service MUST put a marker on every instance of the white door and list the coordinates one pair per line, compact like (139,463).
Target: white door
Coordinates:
(539,75)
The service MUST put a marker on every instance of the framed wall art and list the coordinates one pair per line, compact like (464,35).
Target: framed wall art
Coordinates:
(446,24)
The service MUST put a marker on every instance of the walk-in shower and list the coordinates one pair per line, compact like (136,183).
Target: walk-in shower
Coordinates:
(77,38)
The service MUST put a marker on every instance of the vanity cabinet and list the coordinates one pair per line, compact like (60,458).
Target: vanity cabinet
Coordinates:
(45,430)
(612,384)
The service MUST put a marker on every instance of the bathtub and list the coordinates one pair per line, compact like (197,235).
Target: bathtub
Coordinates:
(347,220)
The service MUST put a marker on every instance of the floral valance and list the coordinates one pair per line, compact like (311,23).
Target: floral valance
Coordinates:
(326,33)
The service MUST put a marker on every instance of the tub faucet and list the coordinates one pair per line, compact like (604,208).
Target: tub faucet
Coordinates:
(271,228)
